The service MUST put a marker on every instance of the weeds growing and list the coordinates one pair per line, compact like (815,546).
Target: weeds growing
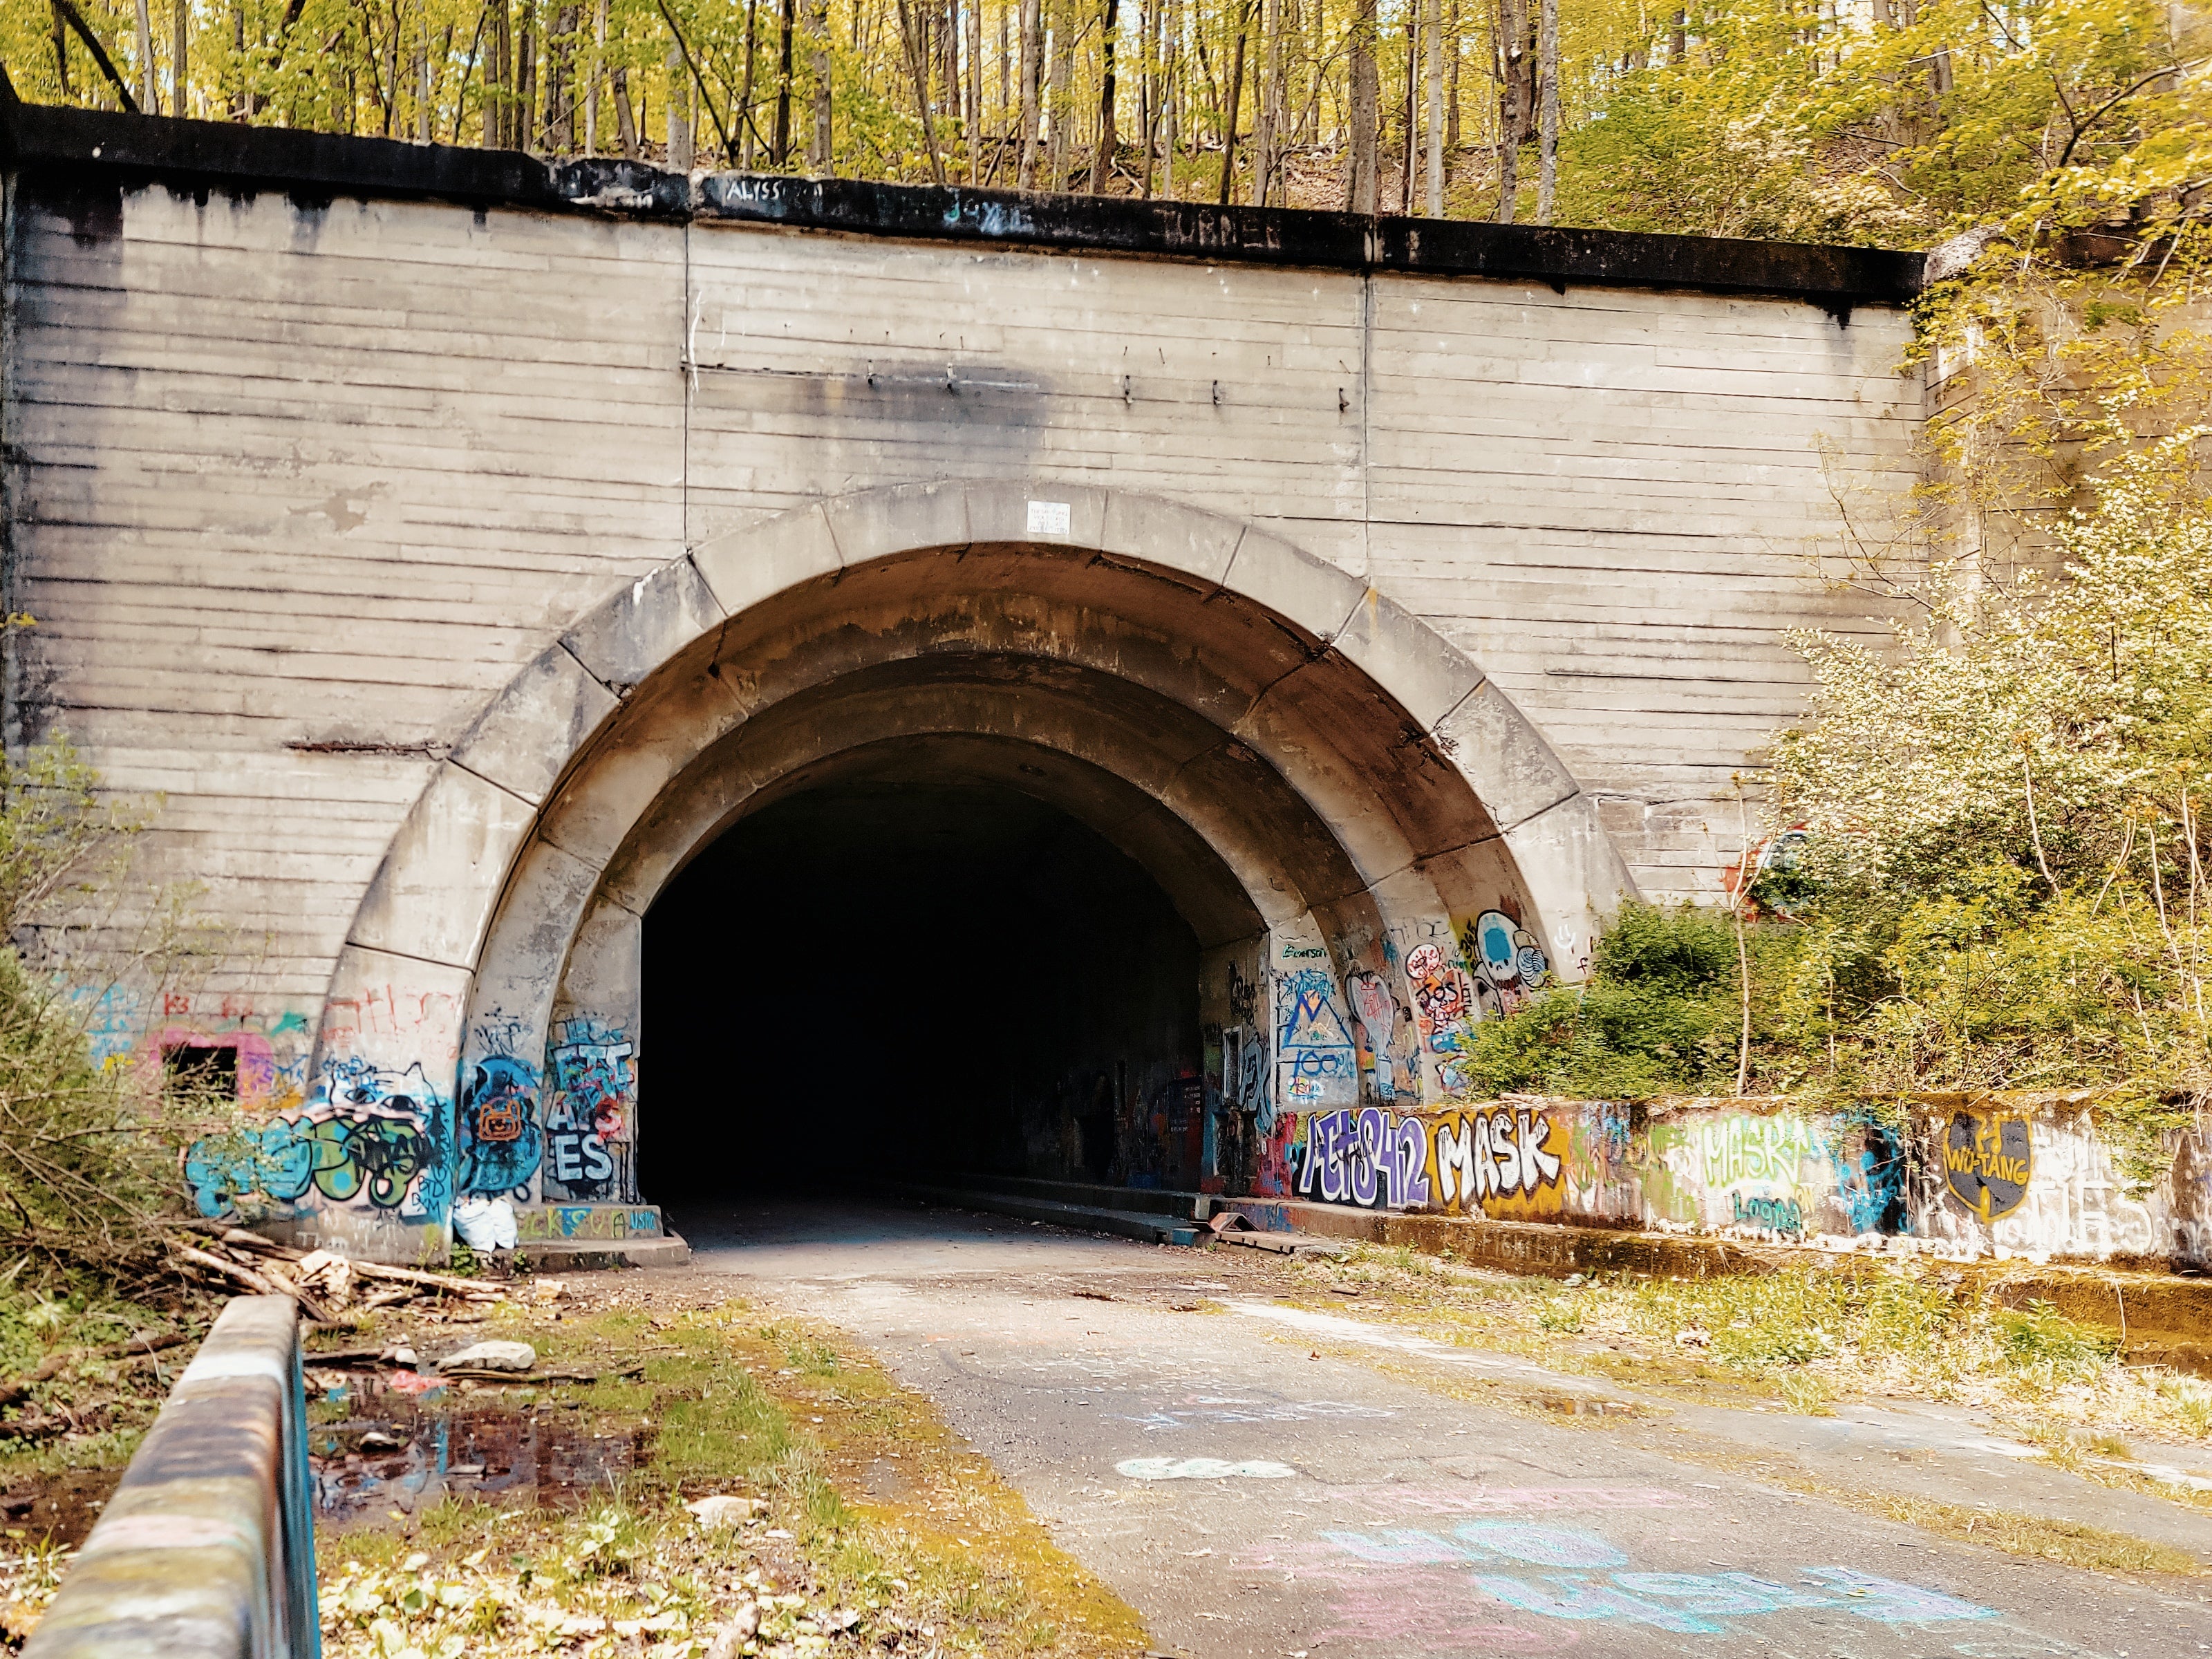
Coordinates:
(1804,1336)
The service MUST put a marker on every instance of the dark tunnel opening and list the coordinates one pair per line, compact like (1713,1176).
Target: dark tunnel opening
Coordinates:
(895,981)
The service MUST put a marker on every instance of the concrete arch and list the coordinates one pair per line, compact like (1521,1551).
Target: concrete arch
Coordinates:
(1208,664)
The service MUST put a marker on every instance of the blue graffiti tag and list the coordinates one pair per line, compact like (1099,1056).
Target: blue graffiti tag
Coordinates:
(498,1128)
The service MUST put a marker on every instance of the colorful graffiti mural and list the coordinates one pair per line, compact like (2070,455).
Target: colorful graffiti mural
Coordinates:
(372,1137)
(1383,1033)
(1444,1007)
(1510,1162)
(1510,965)
(2051,1184)
(588,1111)
(1988,1161)
(1368,1157)
(570,1223)
(1316,1062)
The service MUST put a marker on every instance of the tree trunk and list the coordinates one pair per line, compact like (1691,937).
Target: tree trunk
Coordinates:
(680,111)
(786,19)
(1236,94)
(1171,119)
(179,42)
(1361,188)
(1032,71)
(61,49)
(1406,134)
(1432,25)
(820,133)
(1267,138)
(498,67)
(1101,159)
(591,78)
(1063,60)
(148,98)
(560,81)
(625,123)
(1547,71)
(1677,39)
(746,125)
(1517,97)
(525,81)
(918,69)
(974,89)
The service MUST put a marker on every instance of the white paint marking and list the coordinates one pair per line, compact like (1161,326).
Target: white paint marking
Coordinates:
(1201,1468)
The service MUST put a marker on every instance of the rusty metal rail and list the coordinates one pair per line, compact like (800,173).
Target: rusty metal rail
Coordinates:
(207,1550)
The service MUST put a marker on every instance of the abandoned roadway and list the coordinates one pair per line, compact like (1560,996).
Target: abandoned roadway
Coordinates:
(1261,1481)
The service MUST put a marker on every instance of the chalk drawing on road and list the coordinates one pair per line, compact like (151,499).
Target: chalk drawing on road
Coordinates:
(1693,1603)
(1255,1411)
(1201,1468)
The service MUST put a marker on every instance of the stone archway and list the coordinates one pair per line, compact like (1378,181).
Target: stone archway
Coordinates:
(1322,784)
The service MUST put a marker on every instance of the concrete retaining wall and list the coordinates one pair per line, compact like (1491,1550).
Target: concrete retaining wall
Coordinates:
(1962,1177)
(207,1549)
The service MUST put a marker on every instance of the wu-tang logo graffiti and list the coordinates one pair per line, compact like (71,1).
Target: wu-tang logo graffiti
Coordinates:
(1987,1161)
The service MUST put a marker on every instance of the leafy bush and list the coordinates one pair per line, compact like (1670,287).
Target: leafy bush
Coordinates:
(1661,1014)
(88,1149)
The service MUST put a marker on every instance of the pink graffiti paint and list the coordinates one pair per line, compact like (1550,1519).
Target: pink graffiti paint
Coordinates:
(1404,1609)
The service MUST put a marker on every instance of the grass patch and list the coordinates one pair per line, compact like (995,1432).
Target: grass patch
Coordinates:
(1801,1338)
(871,1527)
(2070,1543)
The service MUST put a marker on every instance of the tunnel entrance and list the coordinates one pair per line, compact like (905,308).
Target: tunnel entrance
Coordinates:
(913,980)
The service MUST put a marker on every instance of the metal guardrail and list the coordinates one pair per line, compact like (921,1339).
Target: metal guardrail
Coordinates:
(207,1550)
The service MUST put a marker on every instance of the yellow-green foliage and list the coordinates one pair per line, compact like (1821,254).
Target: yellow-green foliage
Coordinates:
(1761,117)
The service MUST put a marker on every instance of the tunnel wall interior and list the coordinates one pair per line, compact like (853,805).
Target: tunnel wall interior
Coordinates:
(903,982)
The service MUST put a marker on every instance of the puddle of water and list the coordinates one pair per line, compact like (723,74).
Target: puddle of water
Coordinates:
(408,1454)
(57,1507)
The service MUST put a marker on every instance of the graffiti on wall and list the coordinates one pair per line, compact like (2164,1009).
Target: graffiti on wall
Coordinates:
(540,1223)
(1988,1158)
(371,1137)
(1493,1158)
(1316,1063)
(1382,1030)
(2049,1180)
(588,1110)
(1368,1157)
(1867,1158)
(1509,966)
(497,1126)
(1443,1008)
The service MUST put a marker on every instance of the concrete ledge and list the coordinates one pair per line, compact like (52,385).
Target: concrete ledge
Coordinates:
(206,1551)
(583,1255)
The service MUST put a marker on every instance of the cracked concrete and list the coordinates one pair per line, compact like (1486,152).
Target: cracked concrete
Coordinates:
(1262,1481)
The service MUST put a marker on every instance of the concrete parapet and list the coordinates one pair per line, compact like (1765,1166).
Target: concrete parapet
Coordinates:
(1988,1176)
(207,1549)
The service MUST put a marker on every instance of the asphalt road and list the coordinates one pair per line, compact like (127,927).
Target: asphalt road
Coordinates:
(1262,1482)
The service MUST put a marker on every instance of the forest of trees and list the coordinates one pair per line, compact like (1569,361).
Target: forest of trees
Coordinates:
(1898,121)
